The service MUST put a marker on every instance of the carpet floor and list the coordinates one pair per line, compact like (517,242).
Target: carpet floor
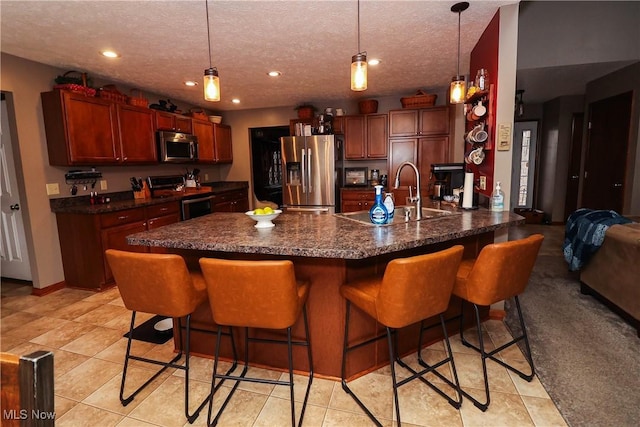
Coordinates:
(586,356)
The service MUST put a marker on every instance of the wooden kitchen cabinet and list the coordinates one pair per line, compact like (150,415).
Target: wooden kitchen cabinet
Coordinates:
(419,122)
(231,201)
(222,146)
(172,122)
(83,130)
(365,137)
(85,237)
(136,134)
(356,200)
(203,130)
(80,129)
(422,152)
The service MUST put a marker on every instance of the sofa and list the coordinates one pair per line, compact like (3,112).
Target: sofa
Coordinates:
(613,272)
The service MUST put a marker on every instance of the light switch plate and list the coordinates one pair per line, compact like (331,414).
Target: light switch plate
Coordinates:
(483,182)
(206,177)
(103,184)
(53,189)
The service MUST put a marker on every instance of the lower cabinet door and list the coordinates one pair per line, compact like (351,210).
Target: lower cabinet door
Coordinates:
(116,238)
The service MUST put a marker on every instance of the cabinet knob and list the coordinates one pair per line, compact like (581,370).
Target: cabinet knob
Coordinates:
(123,217)
(164,209)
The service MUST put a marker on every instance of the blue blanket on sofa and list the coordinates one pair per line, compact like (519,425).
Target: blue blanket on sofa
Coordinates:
(584,234)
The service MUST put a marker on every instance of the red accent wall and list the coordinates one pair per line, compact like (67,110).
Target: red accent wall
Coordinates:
(485,55)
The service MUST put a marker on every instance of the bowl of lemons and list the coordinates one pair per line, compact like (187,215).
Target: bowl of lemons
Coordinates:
(264,216)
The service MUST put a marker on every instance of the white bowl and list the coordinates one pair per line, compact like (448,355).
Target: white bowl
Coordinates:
(215,119)
(264,221)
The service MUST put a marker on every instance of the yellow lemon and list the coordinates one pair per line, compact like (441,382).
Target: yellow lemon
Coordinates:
(258,212)
(268,210)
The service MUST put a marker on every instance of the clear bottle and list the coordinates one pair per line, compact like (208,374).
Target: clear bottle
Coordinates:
(378,212)
(497,199)
(388,203)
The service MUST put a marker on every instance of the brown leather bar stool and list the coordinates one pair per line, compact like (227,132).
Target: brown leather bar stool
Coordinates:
(411,290)
(159,284)
(241,297)
(500,271)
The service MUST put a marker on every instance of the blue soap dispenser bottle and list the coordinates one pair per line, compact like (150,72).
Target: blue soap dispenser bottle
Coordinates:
(378,212)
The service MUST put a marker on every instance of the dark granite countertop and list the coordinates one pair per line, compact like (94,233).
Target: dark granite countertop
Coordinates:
(319,236)
(124,200)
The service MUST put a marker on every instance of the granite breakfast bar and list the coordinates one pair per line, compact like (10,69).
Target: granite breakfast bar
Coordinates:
(327,250)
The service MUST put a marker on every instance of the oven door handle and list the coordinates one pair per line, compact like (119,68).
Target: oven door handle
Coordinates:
(201,199)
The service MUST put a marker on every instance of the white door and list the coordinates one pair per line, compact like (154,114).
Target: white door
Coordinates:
(524,164)
(15,258)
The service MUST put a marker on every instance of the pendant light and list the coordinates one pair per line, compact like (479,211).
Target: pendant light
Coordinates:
(359,65)
(211,79)
(458,88)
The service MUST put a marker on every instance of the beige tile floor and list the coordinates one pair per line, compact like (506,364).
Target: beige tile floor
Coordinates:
(84,331)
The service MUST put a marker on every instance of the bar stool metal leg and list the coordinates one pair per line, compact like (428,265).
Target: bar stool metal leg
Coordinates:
(491,355)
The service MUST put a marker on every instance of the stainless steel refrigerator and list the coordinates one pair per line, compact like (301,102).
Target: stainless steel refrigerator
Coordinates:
(311,169)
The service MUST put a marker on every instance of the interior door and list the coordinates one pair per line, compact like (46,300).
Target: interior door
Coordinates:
(573,174)
(606,159)
(525,141)
(14,254)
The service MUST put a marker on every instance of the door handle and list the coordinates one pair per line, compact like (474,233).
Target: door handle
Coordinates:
(574,176)
(15,207)
(304,172)
(617,185)
(309,169)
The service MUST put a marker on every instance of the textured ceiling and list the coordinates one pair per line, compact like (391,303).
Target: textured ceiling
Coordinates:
(164,43)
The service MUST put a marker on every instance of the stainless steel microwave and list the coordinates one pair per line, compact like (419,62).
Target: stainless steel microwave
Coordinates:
(175,147)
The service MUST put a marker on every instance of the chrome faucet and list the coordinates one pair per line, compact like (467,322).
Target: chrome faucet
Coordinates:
(417,199)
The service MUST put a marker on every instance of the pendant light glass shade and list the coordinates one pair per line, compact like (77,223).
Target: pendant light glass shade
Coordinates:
(211,85)
(458,88)
(359,72)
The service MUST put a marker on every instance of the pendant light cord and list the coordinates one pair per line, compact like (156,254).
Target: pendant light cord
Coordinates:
(358,26)
(458,71)
(206,2)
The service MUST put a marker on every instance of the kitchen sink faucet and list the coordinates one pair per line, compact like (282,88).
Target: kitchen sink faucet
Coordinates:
(417,199)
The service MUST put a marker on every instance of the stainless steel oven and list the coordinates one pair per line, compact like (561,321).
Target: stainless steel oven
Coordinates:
(196,206)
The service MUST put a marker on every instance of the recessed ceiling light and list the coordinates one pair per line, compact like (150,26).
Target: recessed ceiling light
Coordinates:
(235,101)
(110,54)
(374,61)
(274,73)
(190,83)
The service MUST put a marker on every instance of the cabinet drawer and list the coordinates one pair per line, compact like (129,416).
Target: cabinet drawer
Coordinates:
(162,209)
(121,217)
(358,195)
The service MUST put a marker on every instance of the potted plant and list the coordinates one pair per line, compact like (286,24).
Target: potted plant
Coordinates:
(305,111)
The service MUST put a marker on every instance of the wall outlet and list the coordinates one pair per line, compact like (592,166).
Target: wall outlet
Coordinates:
(53,189)
(483,182)
(206,177)
(103,184)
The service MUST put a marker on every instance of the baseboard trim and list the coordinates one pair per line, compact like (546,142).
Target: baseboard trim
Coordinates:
(40,292)
(497,314)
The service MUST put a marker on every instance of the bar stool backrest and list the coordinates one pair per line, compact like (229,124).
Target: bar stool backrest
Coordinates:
(502,270)
(418,287)
(153,283)
(259,294)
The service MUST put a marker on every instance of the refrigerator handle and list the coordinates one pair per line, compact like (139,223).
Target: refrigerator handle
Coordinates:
(304,172)
(309,169)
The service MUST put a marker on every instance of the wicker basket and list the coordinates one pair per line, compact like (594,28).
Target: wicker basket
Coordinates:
(112,93)
(419,100)
(197,113)
(137,98)
(74,84)
(368,106)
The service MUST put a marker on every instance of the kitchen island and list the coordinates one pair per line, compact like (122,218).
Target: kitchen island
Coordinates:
(327,250)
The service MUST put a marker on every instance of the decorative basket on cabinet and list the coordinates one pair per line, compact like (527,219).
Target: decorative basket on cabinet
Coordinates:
(137,98)
(368,106)
(419,100)
(67,81)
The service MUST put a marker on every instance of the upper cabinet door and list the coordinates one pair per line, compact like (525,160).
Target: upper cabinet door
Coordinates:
(377,138)
(137,136)
(434,121)
(223,147)
(80,129)
(403,123)
(355,138)
(204,132)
